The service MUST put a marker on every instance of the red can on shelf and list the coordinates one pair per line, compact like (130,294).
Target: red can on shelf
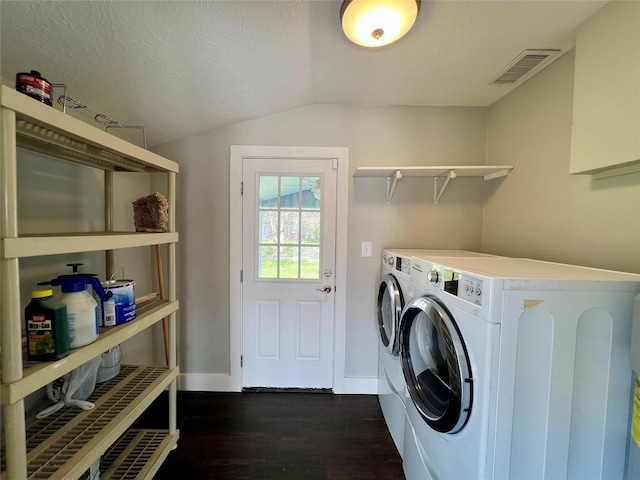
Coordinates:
(35,86)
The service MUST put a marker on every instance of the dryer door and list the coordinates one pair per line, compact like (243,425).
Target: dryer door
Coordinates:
(436,365)
(390,304)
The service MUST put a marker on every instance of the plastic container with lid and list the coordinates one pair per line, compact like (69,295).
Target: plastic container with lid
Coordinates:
(82,310)
(47,327)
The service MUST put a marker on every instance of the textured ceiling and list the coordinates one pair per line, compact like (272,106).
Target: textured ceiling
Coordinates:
(183,67)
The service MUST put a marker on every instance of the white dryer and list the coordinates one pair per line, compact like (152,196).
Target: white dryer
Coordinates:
(394,291)
(516,369)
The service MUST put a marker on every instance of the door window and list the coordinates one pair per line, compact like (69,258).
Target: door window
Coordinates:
(289,220)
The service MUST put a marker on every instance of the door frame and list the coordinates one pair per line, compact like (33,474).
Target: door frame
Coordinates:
(236,156)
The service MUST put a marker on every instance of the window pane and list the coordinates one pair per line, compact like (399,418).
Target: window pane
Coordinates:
(268,228)
(289,217)
(310,262)
(290,192)
(268,191)
(311,192)
(289,227)
(267,262)
(310,227)
(289,262)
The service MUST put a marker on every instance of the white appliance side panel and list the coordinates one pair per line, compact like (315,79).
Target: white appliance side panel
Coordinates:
(564,384)
(594,342)
(534,399)
(609,353)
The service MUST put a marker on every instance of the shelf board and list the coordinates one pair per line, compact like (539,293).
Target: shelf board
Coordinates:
(64,445)
(74,140)
(435,171)
(38,374)
(137,455)
(439,172)
(54,244)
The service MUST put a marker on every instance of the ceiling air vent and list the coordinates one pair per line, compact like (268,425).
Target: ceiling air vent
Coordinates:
(525,65)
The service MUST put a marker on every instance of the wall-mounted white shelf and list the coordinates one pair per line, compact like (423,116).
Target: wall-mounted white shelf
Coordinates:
(442,173)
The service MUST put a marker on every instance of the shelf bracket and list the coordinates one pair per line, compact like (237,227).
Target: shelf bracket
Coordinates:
(392,181)
(498,174)
(438,193)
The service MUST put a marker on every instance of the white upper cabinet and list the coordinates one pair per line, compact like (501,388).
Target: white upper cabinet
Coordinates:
(606,101)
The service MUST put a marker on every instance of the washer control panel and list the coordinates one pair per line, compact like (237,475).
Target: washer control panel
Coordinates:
(463,286)
(390,260)
(403,264)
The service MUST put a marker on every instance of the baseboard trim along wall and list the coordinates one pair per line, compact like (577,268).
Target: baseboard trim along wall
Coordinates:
(206,382)
(359,385)
(218,382)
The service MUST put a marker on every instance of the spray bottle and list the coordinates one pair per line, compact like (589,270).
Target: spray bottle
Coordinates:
(82,309)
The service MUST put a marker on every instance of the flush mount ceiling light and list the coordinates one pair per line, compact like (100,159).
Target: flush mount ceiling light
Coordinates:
(374,23)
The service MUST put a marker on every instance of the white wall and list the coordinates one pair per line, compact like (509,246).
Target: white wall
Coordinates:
(541,211)
(374,136)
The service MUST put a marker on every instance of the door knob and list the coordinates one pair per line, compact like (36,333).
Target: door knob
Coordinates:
(325,289)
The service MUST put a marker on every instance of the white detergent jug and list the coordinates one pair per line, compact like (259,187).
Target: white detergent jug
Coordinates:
(82,309)
(82,314)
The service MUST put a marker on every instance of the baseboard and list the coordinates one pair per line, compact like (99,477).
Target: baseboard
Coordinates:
(206,382)
(358,385)
(219,382)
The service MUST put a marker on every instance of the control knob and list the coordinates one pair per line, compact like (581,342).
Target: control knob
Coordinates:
(432,276)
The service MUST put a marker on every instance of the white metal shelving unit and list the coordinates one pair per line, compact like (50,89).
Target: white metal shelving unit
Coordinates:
(67,444)
(439,173)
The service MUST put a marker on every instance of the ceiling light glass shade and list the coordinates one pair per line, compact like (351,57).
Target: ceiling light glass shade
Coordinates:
(374,23)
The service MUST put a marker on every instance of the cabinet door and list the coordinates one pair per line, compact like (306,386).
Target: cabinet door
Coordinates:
(606,99)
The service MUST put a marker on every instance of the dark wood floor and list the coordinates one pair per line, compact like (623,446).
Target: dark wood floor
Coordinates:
(295,436)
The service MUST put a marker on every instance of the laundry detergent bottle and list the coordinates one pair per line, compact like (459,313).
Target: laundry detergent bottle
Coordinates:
(82,309)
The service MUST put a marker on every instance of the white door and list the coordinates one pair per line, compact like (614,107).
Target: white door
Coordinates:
(288,256)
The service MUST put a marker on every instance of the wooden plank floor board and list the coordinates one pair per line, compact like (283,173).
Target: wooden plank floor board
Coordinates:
(285,436)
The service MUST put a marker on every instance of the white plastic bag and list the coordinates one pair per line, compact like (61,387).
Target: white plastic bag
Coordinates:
(73,389)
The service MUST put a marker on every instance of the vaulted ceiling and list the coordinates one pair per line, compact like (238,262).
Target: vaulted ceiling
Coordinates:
(183,67)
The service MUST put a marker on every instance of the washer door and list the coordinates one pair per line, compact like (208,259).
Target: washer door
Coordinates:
(390,304)
(436,365)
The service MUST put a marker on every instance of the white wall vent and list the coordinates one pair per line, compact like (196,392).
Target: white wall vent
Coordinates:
(527,64)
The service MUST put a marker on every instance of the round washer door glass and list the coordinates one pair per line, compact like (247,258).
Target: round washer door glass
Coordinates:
(390,304)
(435,364)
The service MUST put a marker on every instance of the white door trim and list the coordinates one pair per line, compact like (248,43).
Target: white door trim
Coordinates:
(236,155)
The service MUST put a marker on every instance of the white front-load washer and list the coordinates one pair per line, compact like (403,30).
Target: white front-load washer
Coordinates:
(516,369)
(393,292)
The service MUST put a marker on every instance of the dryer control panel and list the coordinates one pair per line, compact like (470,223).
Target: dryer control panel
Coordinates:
(427,275)
(463,285)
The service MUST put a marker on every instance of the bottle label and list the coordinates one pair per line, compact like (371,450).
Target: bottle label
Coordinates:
(41,341)
(109,310)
